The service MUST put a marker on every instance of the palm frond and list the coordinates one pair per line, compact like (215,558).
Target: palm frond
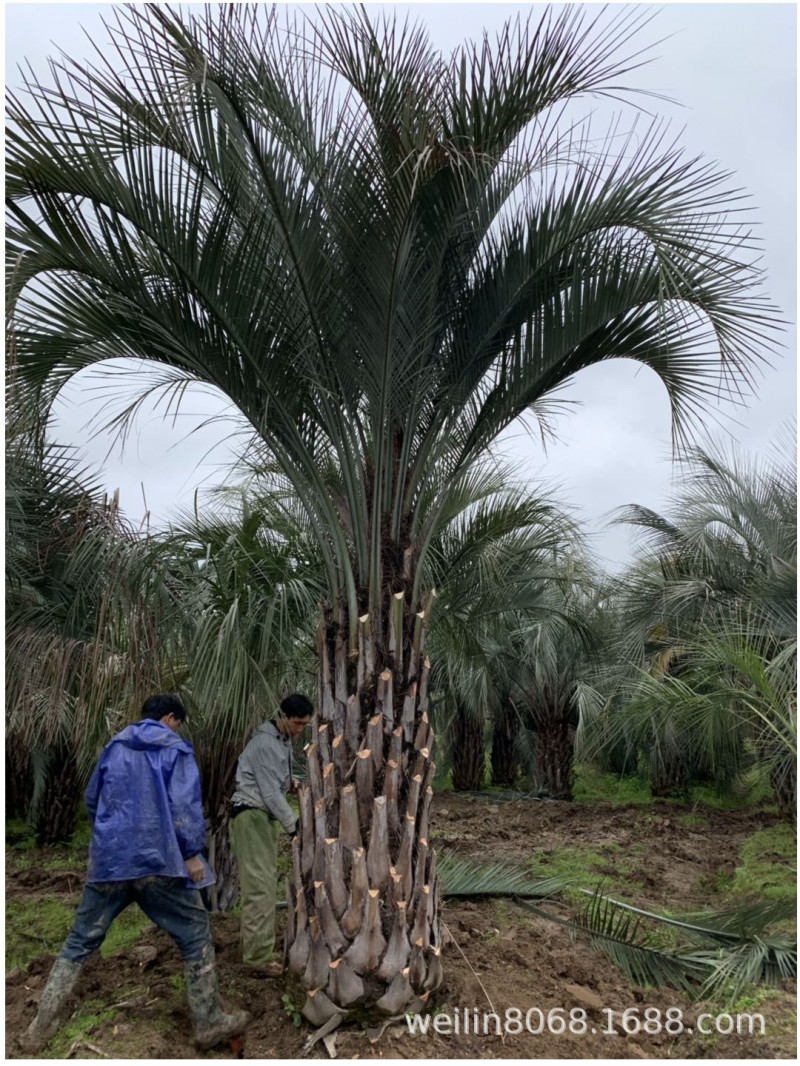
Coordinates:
(769,961)
(734,925)
(381,256)
(462,877)
(712,968)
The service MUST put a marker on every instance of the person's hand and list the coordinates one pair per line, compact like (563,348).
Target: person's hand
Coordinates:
(295,785)
(196,868)
(294,831)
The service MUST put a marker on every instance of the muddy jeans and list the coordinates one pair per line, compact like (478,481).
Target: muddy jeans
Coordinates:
(166,901)
(254,839)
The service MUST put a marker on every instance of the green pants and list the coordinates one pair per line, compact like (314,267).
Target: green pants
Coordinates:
(254,839)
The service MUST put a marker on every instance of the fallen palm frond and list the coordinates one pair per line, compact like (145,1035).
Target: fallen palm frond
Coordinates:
(726,952)
(464,877)
(768,961)
(735,924)
(618,935)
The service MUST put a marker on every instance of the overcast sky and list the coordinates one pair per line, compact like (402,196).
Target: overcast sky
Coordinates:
(732,70)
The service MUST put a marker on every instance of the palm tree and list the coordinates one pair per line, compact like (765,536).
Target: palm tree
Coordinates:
(505,760)
(728,710)
(251,578)
(708,637)
(382,257)
(559,657)
(730,540)
(760,692)
(492,566)
(87,625)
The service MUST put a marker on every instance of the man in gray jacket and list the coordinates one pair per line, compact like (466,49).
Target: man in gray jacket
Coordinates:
(263,777)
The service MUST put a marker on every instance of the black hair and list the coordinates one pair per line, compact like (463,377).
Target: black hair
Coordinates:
(158,707)
(296,706)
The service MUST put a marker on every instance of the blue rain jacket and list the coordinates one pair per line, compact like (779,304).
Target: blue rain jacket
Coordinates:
(146,808)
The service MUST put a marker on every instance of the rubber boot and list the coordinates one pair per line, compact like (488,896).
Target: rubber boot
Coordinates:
(211,1024)
(53,999)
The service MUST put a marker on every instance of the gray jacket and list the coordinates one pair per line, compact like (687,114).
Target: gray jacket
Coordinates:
(264,775)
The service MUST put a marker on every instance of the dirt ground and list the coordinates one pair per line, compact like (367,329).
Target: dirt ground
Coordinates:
(498,953)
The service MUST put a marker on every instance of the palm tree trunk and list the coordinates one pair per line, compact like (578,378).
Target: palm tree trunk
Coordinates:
(363,925)
(468,753)
(555,750)
(619,758)
(56,813)
(224,893)
(505,764)
(19,778)
(217,761)
(668,773)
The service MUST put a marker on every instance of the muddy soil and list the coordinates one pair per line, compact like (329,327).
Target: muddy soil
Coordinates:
(499,955)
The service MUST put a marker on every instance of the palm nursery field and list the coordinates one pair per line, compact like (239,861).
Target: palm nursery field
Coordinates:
(667,855)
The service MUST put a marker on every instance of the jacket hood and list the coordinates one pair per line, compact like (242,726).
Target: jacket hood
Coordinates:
(270,728)
(150,735)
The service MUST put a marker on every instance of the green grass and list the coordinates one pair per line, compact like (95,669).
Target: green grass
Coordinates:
(767,867)
(80,1026)
(586,867)
(69,856)
(692,820)
(723,800)
(63,860)
(500,790)
(501,909)
(39,926)
(21,845)
(19,860)
(95,1014)
(125,930)
(19,835)
(35,928)
(754,999)
(594,786)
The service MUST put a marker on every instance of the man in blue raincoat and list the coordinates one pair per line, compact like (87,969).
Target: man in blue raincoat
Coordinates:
(147,842)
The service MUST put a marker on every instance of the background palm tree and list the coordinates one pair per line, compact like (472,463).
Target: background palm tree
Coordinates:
(730,540)
(558,658)
(383,257)
(707,642)
(250,581)
(88,624)
(505,753)
(492,567)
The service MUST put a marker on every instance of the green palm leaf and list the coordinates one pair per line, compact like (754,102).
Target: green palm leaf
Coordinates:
(463,877)
(732,949)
